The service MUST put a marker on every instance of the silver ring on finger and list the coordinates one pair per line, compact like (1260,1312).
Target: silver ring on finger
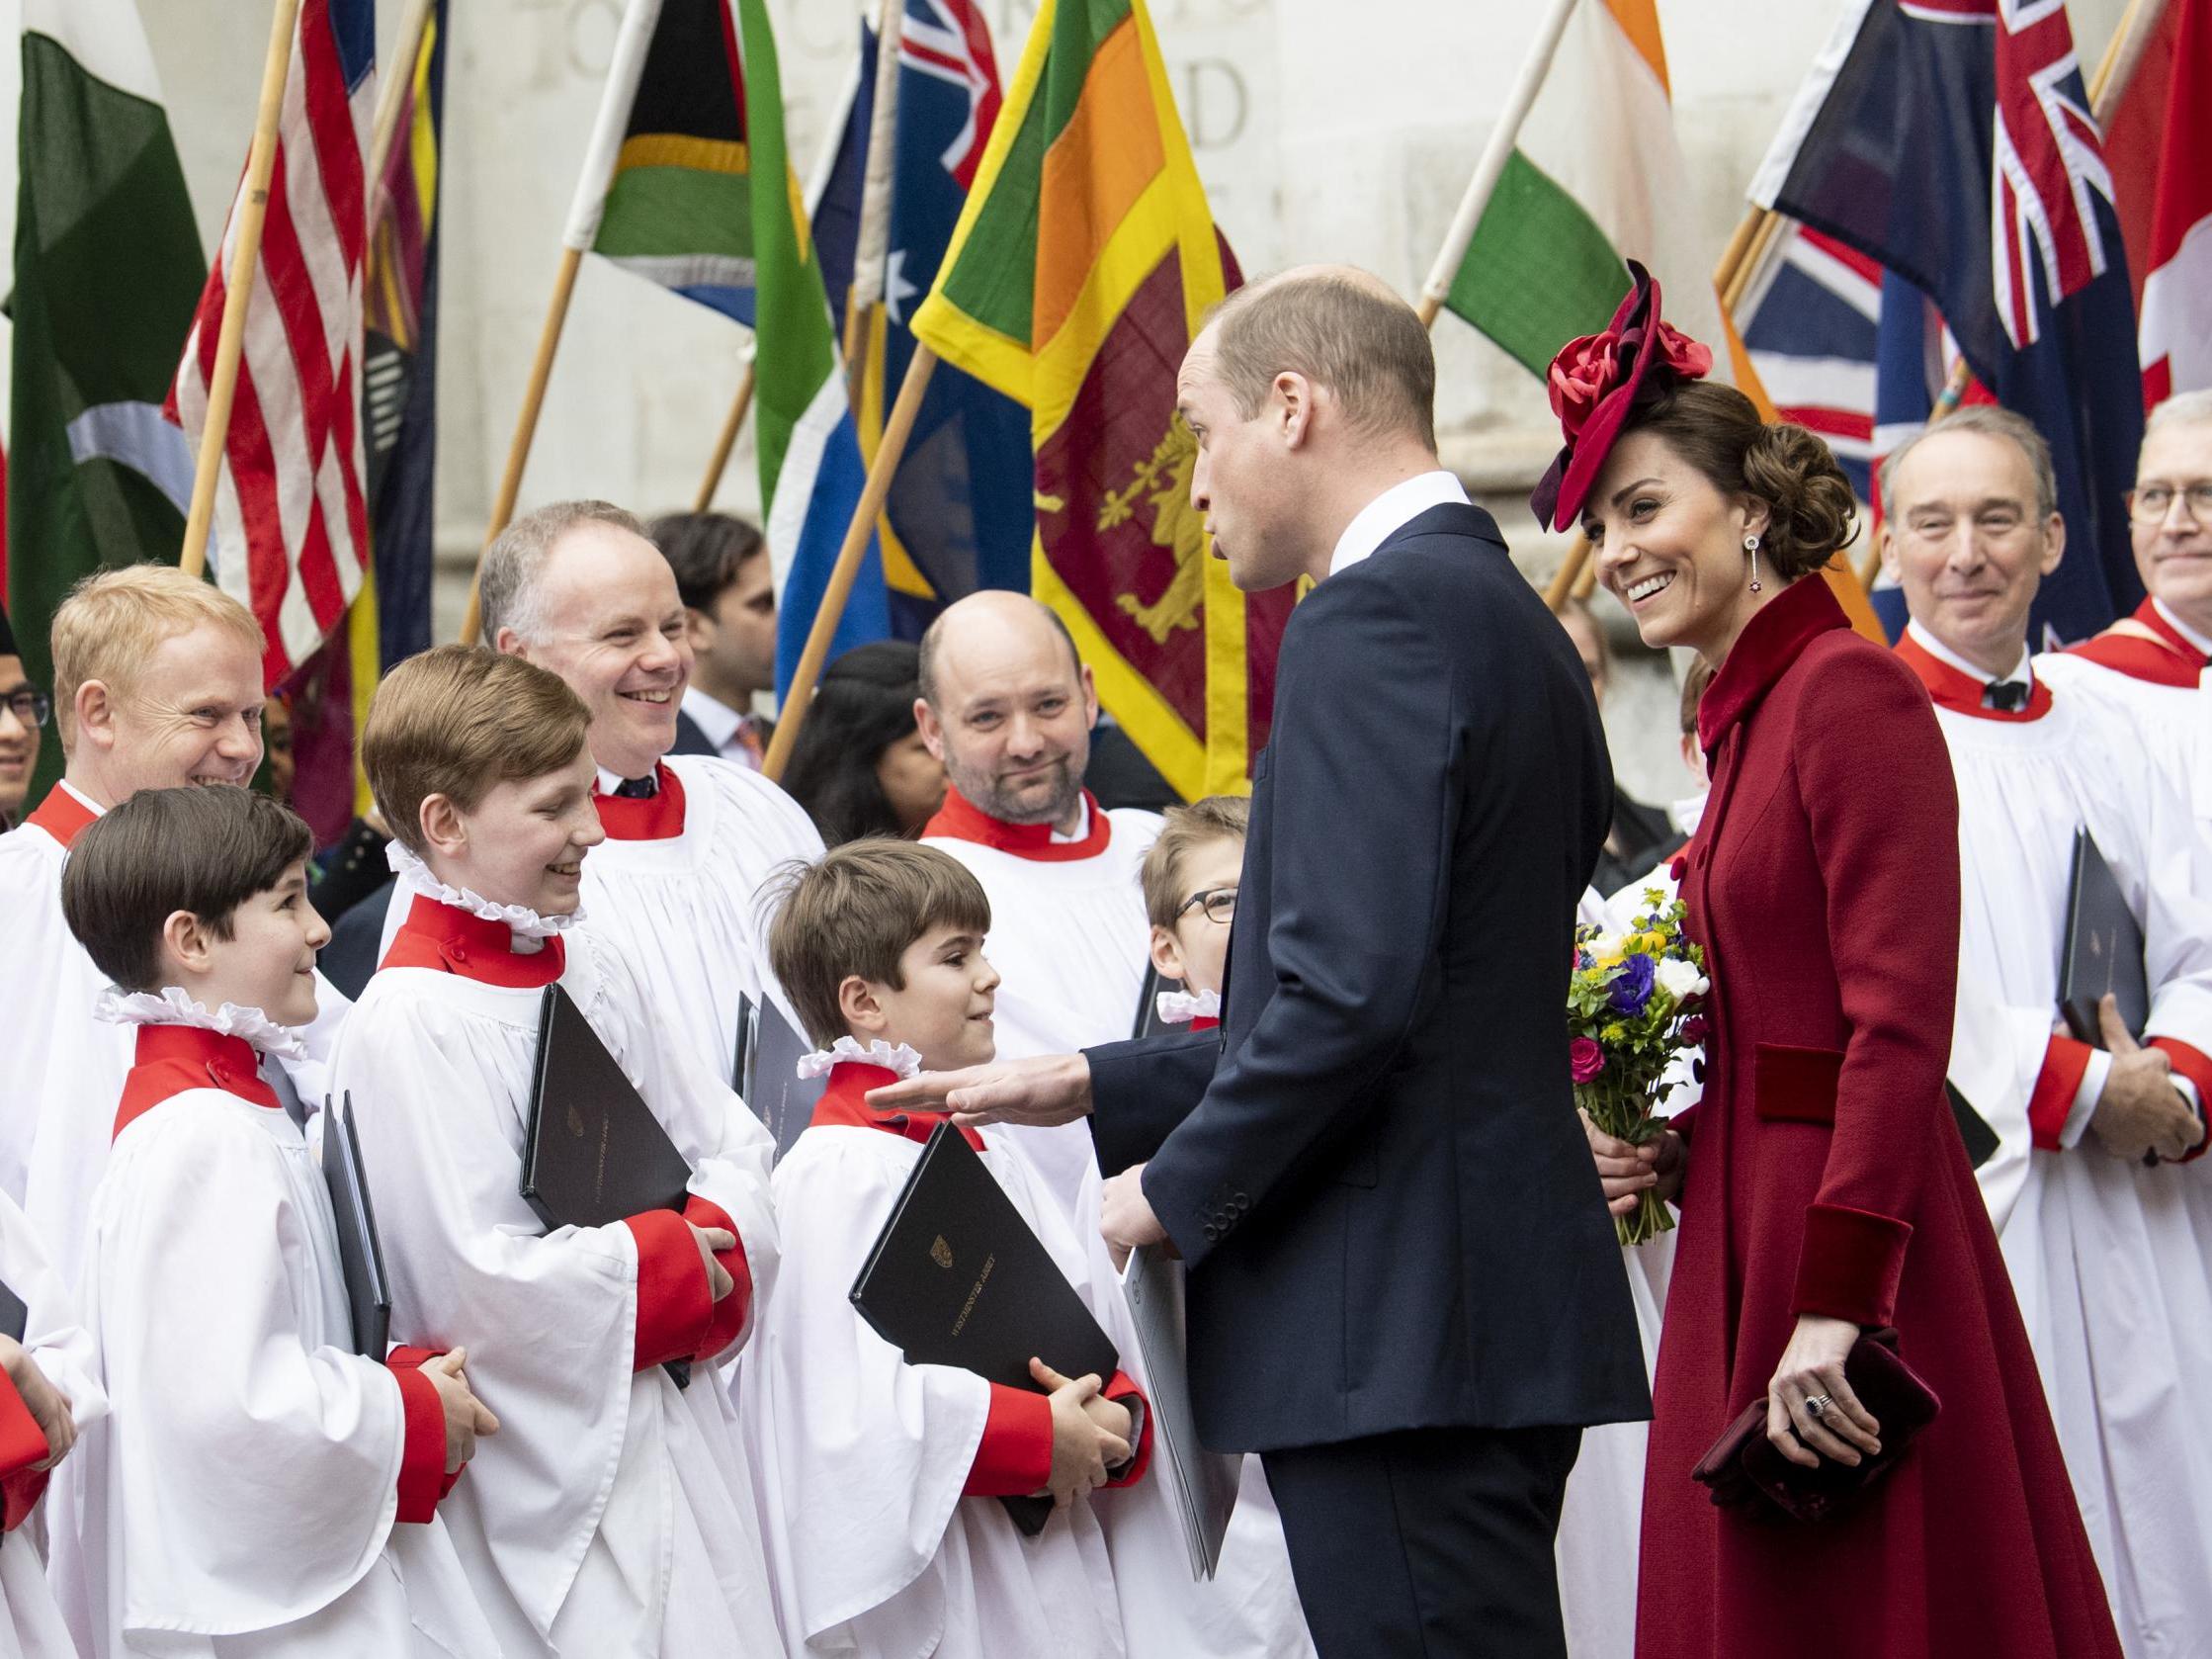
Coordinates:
(1817,1405)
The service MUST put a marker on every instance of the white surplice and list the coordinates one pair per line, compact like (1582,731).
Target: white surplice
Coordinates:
(2170,724)
(242,1500)
(64,1068)
(2111,1261)
(59,1344)
(612,1513)
(1071,944)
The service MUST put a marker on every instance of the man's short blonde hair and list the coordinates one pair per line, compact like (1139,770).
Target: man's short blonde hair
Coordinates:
(1217,818)
(113,620)
(459,721)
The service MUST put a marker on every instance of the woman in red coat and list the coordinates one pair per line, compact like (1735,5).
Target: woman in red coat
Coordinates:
(1823,1184)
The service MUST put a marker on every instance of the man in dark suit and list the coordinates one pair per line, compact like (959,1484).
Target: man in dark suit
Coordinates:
(1405,1290)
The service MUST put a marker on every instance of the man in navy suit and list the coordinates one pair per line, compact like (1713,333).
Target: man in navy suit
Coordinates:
(1405,1290)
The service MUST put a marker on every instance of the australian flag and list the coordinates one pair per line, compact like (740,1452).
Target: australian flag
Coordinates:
(959,510)
(1950,141)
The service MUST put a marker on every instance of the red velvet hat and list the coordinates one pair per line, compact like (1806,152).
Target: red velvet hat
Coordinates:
(1598,379)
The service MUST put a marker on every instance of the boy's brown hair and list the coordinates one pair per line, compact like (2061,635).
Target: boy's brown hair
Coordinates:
(855,913)
(459,721)
(1217,818)
(204,850)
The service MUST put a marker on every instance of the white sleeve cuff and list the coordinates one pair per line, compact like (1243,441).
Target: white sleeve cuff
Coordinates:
(2085,1097)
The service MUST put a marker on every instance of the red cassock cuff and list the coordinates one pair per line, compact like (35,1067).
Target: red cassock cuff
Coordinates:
(1123,1391)
(422,1453)
(2197,1066)
(1853,1260)
(1015,1457)
(675,1307)
(2065,1060)
(727,1323)
(22,1443)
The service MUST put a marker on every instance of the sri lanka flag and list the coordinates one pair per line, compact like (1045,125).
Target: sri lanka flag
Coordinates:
(1084,263)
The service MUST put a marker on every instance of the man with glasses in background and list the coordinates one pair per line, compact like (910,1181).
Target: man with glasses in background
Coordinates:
(23,710)
(2153,666)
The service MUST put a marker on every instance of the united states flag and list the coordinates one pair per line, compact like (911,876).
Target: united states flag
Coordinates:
(291,530)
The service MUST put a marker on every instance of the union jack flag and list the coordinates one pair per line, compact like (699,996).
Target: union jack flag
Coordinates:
(1810,319)
(291,535)
(1949,141)
(948,41)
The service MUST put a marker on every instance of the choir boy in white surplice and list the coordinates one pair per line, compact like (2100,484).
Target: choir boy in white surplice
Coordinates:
(881,1480)
(613,1514)
(49,1396)
(2103,1208)
(259,1488)
(157,684)
(1009,707)
(691,839)
(2155,666)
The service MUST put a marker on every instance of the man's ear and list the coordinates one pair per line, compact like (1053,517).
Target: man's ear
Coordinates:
(95,711)
(698,629)
(932,732)
(1886,543)
(443,830)
(1167,953)
(1090,700)
(860,1007)
(1294,407)
(2054,542)
(187,943)
(508,643)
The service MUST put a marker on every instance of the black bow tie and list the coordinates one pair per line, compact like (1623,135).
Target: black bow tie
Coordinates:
(639,789)
(2004,696)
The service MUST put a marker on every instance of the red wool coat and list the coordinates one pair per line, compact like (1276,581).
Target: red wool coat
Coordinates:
(1826,1177)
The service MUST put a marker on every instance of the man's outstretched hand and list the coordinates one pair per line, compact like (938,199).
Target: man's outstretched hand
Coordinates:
(1044,1090)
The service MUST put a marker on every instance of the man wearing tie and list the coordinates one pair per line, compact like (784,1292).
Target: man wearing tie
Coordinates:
(1374,1170)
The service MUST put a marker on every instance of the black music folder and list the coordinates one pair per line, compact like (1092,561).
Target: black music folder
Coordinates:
(15,1318)
(593,1152)
(956,1277)
(361,1259)
(2102,951)
(769,1049)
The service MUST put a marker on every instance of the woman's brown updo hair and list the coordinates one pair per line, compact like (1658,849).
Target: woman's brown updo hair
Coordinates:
(1811,510)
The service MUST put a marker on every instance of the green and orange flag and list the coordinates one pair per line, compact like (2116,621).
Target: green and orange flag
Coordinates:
(1080,271)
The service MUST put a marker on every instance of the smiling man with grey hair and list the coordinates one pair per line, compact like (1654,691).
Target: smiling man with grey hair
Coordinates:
(692,839)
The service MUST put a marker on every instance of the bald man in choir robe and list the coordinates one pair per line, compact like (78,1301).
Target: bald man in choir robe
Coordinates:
(2104,1210)
(1009,707)
(2153,667)
(577,588)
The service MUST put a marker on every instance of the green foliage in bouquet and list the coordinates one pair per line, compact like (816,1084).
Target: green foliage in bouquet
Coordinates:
(1630,1006)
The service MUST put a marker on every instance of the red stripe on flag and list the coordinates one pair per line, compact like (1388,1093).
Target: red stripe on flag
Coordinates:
(330,128)
(1849,257)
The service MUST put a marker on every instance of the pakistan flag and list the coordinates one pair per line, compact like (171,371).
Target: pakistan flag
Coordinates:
(108,272)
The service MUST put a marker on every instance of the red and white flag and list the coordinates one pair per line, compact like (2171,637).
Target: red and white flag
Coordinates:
(291,535)
(2163,139)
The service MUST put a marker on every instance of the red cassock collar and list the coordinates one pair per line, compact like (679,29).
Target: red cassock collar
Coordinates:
(443,937)
(1961,693)
(62,816)
(175,1058)
(1774,638)
(844,1106)
(658,817)
(1206,1023)
(958,819)
(2166,659)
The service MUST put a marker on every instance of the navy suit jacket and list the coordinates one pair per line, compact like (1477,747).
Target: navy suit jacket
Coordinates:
(1374,1170)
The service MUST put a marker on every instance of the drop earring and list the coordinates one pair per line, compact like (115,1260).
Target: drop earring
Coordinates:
(1752,546)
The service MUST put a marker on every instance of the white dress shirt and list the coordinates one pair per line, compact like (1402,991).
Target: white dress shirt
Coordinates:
(1390,511)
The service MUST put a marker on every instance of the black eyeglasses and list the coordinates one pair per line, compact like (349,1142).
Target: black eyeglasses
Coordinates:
(29,705)
(1219,904)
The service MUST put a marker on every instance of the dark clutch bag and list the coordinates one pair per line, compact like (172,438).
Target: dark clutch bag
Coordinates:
(1744,1471)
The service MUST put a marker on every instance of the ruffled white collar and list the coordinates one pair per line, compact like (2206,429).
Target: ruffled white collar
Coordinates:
(1181,1007)
(902,1060)
(176,1006)
(526,924)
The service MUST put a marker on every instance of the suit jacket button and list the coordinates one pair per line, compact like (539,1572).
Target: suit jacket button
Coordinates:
(1242,1203)
(1213,1232)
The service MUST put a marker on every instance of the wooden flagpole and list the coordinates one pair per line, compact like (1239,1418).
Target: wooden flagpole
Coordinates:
(727,439)
(526,429)
(880,470)
(1492,167)
(253,209)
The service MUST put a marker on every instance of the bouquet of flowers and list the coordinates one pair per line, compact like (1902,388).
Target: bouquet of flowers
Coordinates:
(1632,1003)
